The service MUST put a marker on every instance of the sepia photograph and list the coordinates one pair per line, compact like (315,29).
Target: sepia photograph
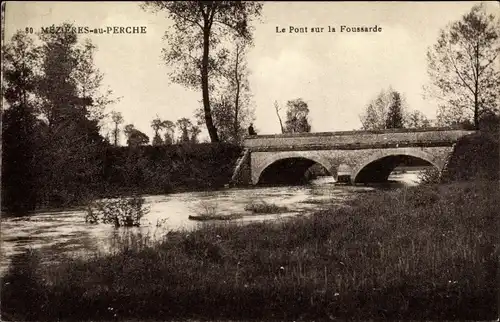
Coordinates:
(250,161)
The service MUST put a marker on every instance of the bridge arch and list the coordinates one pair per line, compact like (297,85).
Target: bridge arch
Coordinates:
(296,162)
(385,161)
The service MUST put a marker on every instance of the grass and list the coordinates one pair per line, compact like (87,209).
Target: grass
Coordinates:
(263,207)
(209,211)
(419,253)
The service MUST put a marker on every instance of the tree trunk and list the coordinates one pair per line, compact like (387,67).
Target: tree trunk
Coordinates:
(279,117)
(237,98)
(476,91)
(116,134)
(476,110)
(212,131)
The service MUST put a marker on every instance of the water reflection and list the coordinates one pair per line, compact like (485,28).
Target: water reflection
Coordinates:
(66,233)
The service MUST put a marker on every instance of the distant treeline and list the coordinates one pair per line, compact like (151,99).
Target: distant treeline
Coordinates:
(121,171)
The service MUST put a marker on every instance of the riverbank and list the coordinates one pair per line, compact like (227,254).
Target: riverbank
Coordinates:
(427,252)
(122,171)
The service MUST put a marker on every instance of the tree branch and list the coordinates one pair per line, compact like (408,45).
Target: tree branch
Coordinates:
(458,73)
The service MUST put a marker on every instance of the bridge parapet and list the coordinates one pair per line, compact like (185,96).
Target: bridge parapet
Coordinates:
(355,139)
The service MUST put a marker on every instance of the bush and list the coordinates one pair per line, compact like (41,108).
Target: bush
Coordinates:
(121,212)
(476,156)
(430,176)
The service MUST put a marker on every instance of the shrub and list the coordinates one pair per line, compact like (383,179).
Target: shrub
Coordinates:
(430,176)
(121,212)
(476,156)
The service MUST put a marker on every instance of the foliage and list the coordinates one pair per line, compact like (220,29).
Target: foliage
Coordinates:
(297,117)
(489,124)
(416,120)
(422,253)
(158,124)
(263,207)
(197,39)
(68,91)
(169,132)
(389,110)
(134,136)
(168,168)
(464,69)
(53,94)
(121,212)
(475,156)
(188,132)
(231,102)
(430,175)
(395,115)
(19,124)
(52,152)
(157,140)
(233,113)
(386,109)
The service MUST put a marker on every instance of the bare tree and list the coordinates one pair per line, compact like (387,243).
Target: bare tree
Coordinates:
(277,109)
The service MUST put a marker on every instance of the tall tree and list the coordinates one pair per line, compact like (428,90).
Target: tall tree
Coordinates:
(19,124)
(89,81)
(117,119)
(464,69)
(69,91)
(395,113)
(232,112)
(65,107)
(297,116)
(198,30)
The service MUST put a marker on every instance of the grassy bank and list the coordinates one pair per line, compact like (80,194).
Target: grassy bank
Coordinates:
(421,253)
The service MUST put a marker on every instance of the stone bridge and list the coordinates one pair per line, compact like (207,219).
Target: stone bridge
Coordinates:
(359,156)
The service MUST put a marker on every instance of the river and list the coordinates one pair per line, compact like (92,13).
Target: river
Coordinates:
(66,232)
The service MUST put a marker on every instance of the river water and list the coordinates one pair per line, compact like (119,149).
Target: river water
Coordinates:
(66,232)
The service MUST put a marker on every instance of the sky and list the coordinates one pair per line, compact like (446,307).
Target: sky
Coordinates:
(336,73)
